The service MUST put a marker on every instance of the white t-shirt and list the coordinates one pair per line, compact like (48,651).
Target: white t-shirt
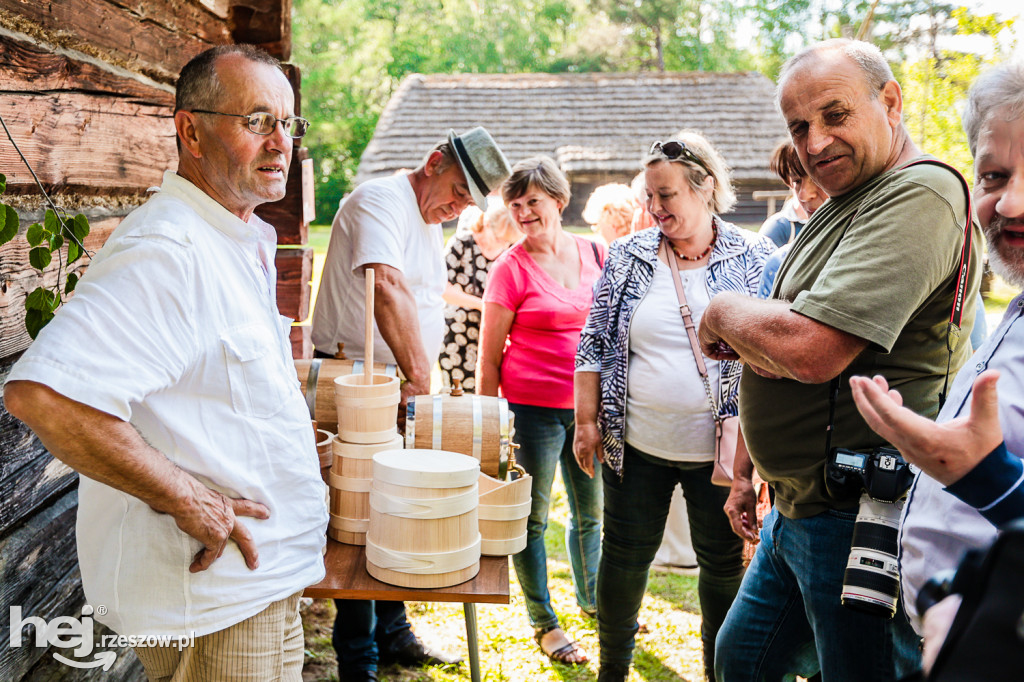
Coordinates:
(174,328)
(379,222)
(667,411)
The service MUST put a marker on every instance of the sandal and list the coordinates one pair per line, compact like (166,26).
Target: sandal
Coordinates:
(560,648)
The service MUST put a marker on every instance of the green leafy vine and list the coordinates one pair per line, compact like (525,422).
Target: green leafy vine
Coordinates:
(46,239)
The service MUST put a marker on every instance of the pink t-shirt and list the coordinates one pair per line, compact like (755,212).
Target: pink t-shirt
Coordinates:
(539,357)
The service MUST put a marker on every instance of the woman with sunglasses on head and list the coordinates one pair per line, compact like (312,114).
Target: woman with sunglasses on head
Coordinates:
(642,407)
(536,301)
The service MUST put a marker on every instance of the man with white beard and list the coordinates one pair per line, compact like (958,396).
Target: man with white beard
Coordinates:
(972,478)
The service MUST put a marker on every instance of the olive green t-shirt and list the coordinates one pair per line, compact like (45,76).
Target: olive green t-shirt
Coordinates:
(879,263)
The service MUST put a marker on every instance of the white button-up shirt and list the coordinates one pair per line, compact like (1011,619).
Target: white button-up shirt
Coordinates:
(938,528)
(174,328)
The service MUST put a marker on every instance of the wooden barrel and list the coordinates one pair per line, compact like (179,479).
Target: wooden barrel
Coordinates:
(423,524)
(503,512)
(355,460)
(323,447)
(367,413)
(350,509)
(316,378)
(474,425)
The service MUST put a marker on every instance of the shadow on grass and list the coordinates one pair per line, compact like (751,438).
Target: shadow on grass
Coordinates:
(679,591)
(649,667)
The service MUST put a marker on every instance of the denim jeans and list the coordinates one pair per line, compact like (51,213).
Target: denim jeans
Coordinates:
(635,512)
(788,619)
(363,628)
(545,436)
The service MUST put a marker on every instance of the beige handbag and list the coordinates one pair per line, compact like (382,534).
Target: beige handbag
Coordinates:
(727,429)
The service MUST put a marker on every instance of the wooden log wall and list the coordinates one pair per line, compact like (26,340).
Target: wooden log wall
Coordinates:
(87,91)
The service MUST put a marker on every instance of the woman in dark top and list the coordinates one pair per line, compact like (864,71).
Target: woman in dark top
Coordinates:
(468,255)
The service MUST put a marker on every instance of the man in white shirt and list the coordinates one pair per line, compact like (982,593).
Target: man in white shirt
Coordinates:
(392,226)
(167,383)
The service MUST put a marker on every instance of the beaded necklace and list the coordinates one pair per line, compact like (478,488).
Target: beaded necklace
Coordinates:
(714,238)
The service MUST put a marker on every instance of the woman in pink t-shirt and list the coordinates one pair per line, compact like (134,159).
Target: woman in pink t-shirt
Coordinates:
(537,298)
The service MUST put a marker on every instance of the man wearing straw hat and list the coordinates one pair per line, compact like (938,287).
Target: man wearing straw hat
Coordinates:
(392,226)
(167,383)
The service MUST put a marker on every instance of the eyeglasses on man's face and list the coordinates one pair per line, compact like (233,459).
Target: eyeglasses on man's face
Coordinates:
(673,149)
(263,123)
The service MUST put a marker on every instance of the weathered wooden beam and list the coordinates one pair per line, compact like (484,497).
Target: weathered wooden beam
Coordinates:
(30,67)
(154,38)
(301,337)
(18,279)
(90,144)
(39,573)
(291,215)
(267,23)
(294,274)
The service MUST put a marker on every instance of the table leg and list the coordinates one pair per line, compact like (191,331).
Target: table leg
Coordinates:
(471,640)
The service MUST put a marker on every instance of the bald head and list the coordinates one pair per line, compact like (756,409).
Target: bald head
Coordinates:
(870,62)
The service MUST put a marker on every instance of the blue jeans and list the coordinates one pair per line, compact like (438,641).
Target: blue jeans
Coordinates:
(362,628)
(545,436)
(788,620)
(635,512)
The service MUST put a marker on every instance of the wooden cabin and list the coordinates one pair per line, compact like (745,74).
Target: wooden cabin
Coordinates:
(88,93)
(597,126)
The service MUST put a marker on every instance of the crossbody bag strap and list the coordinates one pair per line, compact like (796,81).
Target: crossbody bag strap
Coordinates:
(691,328)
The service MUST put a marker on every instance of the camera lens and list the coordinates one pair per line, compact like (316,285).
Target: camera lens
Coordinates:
(872,579)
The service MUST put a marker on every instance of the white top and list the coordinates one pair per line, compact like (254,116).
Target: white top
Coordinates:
(667,411)
(379,222)
(937,528)
(174,328)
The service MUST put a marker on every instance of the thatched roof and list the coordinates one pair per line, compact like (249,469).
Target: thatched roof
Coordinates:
(588,122)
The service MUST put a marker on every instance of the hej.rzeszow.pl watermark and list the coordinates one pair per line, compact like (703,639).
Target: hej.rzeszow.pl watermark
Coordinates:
(67,632)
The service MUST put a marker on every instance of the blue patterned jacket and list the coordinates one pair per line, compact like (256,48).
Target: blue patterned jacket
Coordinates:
(735,265)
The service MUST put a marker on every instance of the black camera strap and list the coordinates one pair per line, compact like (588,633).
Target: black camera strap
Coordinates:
(833,397)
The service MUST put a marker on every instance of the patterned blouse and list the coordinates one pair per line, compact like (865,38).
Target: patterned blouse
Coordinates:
(467,268)
(735,265)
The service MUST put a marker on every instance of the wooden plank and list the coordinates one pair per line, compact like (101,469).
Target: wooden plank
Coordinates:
(154,38)
(29,67)
(87,143)
(267,23)
(18,279)
(287,215)
(294,276)
(39,572)
(31,487)
(301,337)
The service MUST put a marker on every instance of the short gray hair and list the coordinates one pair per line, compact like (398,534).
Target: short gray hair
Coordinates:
(723,197)
(999,88)
(868,57)
(447,156)
(198,86)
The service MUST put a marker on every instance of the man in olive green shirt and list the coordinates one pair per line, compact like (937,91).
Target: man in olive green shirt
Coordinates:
(867,289)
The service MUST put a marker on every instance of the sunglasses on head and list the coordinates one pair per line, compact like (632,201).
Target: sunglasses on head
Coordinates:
(673,149)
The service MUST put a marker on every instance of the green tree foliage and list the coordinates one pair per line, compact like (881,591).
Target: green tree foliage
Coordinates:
(354,53)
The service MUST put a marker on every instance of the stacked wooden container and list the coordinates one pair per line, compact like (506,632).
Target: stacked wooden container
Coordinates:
(367,418)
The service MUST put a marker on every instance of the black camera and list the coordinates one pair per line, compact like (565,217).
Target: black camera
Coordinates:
(871,582)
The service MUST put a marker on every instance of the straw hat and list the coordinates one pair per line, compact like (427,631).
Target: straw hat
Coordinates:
(483,164)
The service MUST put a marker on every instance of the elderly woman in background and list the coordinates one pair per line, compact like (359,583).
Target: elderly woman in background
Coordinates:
(609,211)
(480,239)
(536,301)
(642,408)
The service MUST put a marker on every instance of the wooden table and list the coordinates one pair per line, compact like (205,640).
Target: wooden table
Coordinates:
(347,579)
